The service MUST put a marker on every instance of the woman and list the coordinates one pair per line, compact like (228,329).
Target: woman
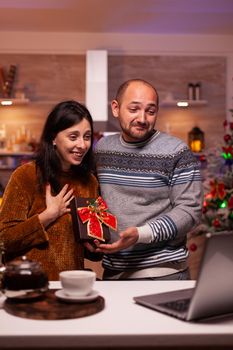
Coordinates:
(35,216)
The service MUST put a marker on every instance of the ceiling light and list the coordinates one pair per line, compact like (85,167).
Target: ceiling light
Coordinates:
(182,104)
(6,103)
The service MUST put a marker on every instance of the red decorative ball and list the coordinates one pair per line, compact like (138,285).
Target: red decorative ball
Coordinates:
(193,247)
(225,123)
(231,126)
(227,137)
(216,223)
(204,210)
(202,158)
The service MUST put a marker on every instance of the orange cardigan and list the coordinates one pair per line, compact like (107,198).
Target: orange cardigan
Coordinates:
(22,233)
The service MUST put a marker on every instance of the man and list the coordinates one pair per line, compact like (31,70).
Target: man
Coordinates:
(151,182)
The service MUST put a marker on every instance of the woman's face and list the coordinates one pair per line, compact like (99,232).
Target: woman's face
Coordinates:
(73,143)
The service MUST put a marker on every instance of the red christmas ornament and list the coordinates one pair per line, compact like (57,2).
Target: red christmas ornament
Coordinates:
(225,123)
(227,137)
(204,209)
(231,126)
(230,202)
(193,247)
(216,223)
(202,158)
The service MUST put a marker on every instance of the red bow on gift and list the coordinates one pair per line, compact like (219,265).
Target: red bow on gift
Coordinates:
(96,214)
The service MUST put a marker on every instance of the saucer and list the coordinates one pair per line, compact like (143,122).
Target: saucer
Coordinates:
(79,299)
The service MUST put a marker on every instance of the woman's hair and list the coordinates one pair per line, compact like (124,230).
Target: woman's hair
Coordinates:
(64,115)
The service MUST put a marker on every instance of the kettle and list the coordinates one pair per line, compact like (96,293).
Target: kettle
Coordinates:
(23,279)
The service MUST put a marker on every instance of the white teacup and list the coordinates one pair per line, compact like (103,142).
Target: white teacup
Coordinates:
(77,283)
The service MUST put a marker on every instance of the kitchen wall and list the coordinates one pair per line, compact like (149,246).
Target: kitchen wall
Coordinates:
(171,75)
(47,79)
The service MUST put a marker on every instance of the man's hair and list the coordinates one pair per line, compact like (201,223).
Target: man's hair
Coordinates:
(121,90)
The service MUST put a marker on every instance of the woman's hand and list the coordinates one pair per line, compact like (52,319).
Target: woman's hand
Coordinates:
(57,205)
(127,238)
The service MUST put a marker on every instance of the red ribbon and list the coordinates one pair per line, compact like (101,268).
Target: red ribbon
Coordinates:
(217,189)
(96,214)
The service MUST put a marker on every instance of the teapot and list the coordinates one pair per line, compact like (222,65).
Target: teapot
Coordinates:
(23,279)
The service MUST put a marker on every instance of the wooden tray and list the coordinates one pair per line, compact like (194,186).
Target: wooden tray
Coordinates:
(49,307)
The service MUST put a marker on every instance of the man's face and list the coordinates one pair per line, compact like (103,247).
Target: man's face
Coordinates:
(136,112)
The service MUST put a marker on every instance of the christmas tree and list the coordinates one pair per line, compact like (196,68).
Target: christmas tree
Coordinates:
(217,212)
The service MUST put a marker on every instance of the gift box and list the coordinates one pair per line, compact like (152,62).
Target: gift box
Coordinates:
(91,219)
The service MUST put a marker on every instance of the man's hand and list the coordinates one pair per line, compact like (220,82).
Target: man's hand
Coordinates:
(127,238)
(90,246)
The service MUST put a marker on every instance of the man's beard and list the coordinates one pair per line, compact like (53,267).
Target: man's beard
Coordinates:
(137,135)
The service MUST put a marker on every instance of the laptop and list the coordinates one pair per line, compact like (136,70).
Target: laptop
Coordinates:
(213,292)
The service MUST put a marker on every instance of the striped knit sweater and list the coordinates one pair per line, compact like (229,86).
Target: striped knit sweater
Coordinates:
(156,186)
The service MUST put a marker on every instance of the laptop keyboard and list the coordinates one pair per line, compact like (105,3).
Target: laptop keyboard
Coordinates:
(177,305)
